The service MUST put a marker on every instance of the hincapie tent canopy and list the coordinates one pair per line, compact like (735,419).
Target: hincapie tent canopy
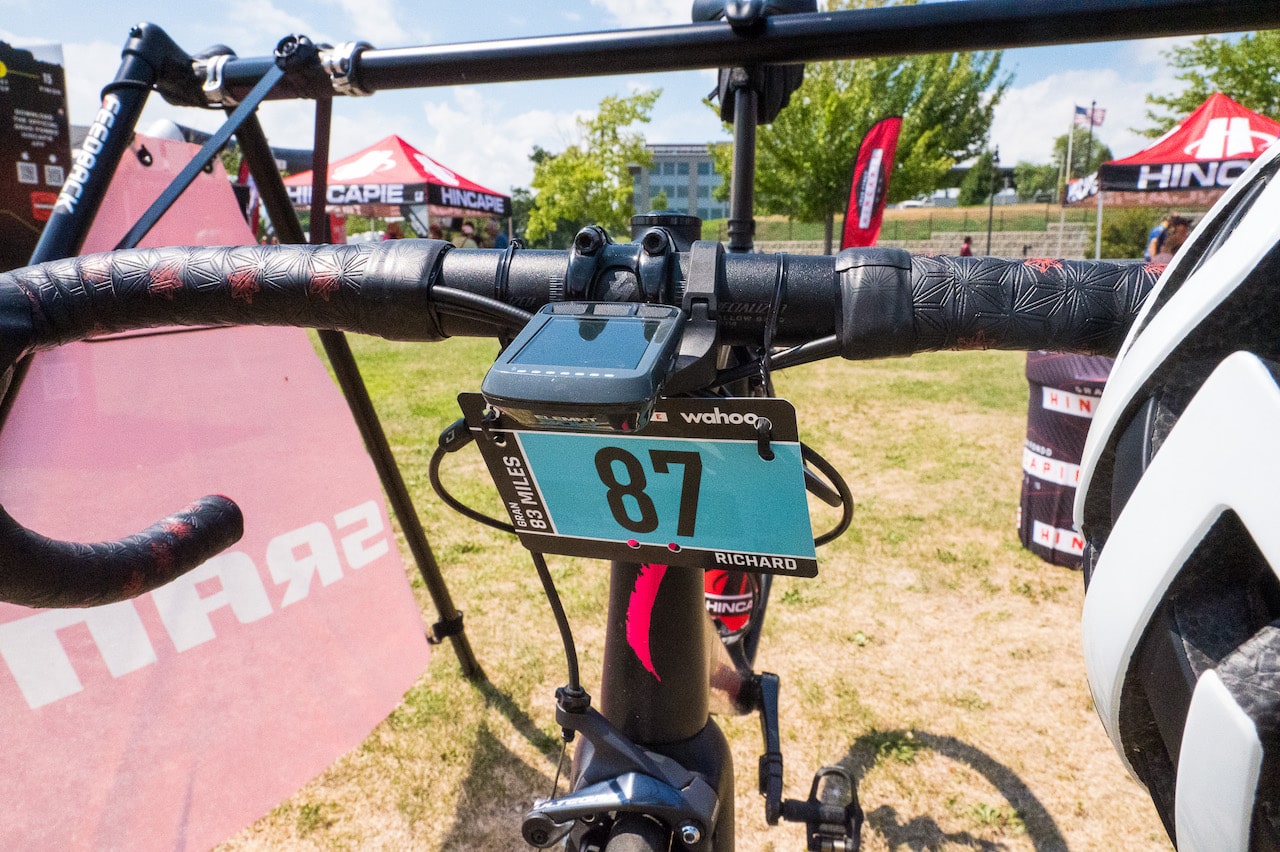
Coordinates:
(1191,165)
(1208,150)
(391,174)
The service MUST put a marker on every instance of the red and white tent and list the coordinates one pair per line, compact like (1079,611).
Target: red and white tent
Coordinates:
(391,174)
(1191,164)
(1209,149)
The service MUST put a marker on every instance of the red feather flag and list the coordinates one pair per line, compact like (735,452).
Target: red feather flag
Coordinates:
(871,170)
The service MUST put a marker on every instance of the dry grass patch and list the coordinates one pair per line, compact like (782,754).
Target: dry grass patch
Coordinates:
(932,657)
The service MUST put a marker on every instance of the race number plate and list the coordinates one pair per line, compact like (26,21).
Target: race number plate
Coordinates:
(693,488)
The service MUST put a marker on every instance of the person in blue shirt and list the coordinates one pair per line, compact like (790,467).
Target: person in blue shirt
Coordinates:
(497,237)
(1156,237)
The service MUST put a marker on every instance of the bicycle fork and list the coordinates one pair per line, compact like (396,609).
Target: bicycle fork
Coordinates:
(654,749)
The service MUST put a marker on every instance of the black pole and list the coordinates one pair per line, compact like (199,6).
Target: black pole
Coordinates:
(889,31)
(991,204)
(93,166)
(262,167)
(198,163)
(347,372)
(742,223)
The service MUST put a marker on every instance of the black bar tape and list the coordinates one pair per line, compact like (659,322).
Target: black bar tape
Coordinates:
(985,303)
(40,572)
(381,289)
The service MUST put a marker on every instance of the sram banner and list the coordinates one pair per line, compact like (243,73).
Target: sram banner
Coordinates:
(183,715)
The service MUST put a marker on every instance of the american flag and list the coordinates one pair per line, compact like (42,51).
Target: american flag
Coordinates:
(1086,116)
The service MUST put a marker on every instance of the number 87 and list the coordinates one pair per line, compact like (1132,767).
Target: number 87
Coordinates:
(635,485)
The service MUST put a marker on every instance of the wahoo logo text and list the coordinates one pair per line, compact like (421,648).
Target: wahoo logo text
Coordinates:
(718,417)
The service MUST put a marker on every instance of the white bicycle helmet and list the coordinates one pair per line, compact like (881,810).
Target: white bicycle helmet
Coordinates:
(1179,500)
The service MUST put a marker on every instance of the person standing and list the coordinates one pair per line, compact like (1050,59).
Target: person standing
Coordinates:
(966,247)
(1177,229)
(1156,237)
(466,239)
(497,238)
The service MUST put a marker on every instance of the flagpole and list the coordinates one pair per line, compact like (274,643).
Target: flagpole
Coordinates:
(1062,212)
(1088,151)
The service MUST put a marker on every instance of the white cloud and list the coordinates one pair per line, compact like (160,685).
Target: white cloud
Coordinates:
(478,138)
(1030,117)
(646,13)
(88,68)
(254,27)
(375,21)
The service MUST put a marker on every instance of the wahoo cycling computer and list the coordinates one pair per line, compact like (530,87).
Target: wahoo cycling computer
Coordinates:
(593,366)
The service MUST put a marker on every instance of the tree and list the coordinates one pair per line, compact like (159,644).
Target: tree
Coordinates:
(1246,69)
(1085,156)
(805,158)
(1036,182)
(590,182)
(521,204)
(1125,231)
(979,181)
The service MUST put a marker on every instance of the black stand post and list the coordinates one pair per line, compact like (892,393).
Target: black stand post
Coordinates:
(742,222)
(257,154)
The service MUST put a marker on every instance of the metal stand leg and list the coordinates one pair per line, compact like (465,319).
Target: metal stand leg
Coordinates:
(257,153)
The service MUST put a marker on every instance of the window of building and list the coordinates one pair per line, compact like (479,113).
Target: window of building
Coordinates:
(704,168)
(682,169)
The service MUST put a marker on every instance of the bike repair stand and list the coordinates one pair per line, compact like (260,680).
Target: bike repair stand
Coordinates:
(150,59)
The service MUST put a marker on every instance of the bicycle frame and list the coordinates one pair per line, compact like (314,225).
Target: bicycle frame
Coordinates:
(665,711)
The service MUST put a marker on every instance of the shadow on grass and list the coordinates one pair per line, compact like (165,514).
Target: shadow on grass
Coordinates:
(496,790)
(923,832)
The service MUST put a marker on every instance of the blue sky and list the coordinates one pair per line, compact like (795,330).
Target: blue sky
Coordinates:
(486,132)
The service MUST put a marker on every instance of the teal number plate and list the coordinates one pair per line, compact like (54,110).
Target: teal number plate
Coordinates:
(696,487)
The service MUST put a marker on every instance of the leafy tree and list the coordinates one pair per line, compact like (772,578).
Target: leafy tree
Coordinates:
(521,204)
(1246,69)
(1085,156)
(805,158)
(979,181)
(1125,230)
(1035,182)
(590,182)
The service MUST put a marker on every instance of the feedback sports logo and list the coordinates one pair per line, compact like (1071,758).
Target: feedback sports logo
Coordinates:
(83,161)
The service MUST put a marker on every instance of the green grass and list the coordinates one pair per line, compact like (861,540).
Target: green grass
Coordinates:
(918,223)
(919,658)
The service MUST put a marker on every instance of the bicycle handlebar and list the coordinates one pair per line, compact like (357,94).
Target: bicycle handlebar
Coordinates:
(872,302)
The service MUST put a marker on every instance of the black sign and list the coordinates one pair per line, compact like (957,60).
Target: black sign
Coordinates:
(468,199)
(35,147)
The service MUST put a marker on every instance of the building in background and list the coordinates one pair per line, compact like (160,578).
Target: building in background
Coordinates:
(686,174)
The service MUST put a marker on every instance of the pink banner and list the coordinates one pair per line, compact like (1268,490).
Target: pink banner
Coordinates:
(172,721)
